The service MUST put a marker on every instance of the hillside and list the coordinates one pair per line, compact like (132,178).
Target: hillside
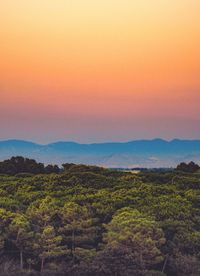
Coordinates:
(140,153)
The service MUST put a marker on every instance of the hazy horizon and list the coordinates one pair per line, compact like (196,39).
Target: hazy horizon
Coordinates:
(97,142)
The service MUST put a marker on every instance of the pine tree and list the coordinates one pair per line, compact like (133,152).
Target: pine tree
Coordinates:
(20,234)
(77,227)
(48,245)
(138,233)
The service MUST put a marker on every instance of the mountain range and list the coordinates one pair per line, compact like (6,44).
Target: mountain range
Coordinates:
(138,153)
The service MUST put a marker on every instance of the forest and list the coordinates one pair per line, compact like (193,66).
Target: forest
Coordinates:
(91,221)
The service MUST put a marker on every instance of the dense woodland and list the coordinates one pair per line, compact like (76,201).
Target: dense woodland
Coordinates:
(85,220)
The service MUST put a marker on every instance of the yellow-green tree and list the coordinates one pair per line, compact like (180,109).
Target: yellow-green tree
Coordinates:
(77,227)
(48,245)
(140,234)
(19,233)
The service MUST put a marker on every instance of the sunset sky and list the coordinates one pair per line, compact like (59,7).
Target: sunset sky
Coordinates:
(99,70)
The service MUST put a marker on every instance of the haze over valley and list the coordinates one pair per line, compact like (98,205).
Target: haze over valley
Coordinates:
(139,153)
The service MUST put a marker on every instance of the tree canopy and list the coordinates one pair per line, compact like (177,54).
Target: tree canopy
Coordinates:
(85,220)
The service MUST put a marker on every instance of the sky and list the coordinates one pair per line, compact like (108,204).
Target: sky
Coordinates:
(93,71)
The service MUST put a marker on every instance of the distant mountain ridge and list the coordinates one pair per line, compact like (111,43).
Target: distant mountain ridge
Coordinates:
(143,153)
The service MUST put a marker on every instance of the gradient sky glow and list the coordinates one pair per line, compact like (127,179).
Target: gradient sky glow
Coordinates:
(99,70)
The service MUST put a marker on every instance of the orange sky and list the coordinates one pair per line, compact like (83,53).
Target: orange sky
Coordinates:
(91,70)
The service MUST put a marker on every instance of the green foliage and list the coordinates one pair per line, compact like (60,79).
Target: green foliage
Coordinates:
(190,167)
(78,228)
(20,165)
(131,229)
(48,245)
(85,220)
(184,264)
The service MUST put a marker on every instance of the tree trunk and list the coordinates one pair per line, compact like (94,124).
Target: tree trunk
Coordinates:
(165,263)
(42,265)
(21,260)
(73,243)
(141,262)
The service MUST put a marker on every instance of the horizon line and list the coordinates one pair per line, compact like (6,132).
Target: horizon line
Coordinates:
(93,143)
